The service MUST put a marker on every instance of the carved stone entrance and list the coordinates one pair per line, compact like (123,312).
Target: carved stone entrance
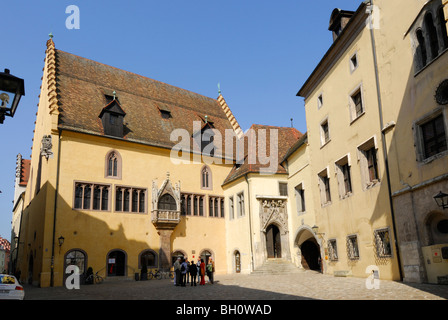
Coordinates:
(274,227)
(165,216)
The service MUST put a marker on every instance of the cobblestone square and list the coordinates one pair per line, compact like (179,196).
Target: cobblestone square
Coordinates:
(307,285)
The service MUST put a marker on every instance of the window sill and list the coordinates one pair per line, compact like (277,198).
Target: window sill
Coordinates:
(326,204)
(433,158)
(430,63)
(354,120)
(326,142)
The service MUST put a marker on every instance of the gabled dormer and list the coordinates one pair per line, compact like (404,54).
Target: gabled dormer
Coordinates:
(112,118)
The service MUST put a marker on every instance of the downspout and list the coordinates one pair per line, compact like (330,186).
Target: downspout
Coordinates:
(55,210)
(250,225)
(370,8)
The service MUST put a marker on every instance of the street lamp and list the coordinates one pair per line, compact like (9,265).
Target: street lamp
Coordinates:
(11,90)
(316,229)
(61,241)
(442,200)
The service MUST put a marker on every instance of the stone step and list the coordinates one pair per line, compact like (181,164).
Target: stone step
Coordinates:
(277,266)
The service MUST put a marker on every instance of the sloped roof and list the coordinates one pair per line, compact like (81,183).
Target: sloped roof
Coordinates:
(24,172)
(287,137)
(82,88)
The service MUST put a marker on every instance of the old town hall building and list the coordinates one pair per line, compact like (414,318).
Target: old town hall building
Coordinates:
(127,172)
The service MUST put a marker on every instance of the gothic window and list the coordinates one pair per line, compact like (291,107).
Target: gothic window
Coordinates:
(432,35)
(206,178)
(422,47)
(89,196)
(129,199)
(167,202)
(113,165)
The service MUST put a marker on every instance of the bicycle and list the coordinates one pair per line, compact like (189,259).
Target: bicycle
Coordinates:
(168,274)
(94,278)
(154,275)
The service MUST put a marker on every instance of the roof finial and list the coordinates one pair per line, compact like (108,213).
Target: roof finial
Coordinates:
(115,94)
(206,118)
(51,35)
(219,88)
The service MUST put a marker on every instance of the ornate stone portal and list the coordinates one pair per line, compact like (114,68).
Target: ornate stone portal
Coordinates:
(165,216)
(273,213)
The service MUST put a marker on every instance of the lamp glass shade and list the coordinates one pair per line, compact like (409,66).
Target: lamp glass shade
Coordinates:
(441,199)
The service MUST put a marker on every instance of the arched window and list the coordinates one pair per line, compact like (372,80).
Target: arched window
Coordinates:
(422,47)
(167,202)
(432,35)
(206,178)
(148,258)
(442,23)
(77,258)
(113,165)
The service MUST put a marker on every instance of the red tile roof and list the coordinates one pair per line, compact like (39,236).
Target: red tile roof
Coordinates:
(82,85)
(286,138)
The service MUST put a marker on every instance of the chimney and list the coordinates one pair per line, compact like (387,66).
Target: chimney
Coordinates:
(338,20)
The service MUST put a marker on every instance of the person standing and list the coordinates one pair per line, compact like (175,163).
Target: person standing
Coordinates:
(187,275)
(193,271)
(202,268)
(210,270)
(183,270)
(177,274)
(198,268)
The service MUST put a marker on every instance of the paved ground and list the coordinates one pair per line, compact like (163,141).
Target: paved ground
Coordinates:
(302,286)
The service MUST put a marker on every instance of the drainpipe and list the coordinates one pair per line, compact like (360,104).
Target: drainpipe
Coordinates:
(250,225)
(370,8)
(55,210)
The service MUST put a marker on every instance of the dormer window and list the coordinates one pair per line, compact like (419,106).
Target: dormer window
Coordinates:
(112,117)
(165,111)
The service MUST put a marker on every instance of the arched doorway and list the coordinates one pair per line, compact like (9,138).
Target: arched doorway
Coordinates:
(78,258)
(273,242)
(205,255)
(237,257)
(310,255)
(116,263)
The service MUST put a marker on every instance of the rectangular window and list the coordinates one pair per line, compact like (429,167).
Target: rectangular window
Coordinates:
(353,62)
(283,189)
(352,247)
(300,198)
(433,136)
(91,196)
(324,186)
(368,160)
(332,250)
(129,199)
(320,101)
(382,243)
(356,104)
(344,177)
(324,132)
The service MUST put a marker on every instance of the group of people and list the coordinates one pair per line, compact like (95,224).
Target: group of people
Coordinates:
(186,272)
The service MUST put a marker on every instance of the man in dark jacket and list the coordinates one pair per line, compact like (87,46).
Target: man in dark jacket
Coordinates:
(193,271)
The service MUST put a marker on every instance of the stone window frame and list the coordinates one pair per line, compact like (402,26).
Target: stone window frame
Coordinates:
(91,201)
(240,204)
(363,148)
(194,200)
(378,241)
(231,207)
(299,193)
(333,250)
(324,187)
(324,138)
(340,176)
(206,181)
(352,254)
(418,134)
(131,188)
(118,158)
(352,65)
(215,206)
(352,106)
(282,190)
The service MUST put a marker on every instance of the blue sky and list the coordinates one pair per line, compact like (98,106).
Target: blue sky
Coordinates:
(260,52)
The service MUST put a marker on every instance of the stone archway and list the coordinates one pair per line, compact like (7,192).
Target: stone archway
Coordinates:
(308,249)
